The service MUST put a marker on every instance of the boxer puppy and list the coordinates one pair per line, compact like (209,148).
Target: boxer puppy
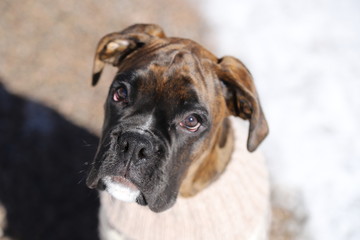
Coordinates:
(166,130)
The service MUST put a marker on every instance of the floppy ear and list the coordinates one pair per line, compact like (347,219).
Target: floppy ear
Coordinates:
(242,99)
(114,47)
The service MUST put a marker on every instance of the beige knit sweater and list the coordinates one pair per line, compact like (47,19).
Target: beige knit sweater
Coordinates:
(236,206)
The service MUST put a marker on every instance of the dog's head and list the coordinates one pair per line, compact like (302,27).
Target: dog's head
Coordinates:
(165,110)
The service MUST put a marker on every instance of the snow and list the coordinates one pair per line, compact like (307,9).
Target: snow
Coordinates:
(305,58)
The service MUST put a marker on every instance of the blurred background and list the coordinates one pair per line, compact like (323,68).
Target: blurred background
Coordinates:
(303,54)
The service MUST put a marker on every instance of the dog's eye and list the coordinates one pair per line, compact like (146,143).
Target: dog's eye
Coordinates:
(120,95)
(191,123)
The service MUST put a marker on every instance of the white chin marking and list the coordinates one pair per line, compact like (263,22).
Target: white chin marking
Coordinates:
(120,191)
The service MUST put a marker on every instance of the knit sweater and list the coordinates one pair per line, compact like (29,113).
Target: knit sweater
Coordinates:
(236,206)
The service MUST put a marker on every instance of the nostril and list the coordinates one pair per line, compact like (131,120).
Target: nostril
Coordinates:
(124,146)
(142,153)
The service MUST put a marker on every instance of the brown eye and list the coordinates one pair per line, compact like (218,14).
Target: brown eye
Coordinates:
(191,123)
(120,95)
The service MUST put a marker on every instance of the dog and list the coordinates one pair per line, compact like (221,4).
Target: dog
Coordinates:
(166,130)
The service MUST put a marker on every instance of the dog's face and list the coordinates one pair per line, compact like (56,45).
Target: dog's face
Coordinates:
(164,110)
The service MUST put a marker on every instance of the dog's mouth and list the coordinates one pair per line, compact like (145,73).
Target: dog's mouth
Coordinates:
(122,189)
(123,181)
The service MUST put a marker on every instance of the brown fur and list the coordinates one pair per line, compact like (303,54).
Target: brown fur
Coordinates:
(210,166)
(234,94)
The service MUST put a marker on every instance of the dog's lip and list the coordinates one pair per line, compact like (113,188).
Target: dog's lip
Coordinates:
(125,182)
(141,199)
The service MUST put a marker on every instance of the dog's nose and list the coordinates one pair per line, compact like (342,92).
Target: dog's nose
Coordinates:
(137,148)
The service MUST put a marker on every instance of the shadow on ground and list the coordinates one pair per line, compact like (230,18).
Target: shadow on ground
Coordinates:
(43,161)
(47,55)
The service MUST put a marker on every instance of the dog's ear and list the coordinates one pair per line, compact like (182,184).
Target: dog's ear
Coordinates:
(242,99)
(114,47)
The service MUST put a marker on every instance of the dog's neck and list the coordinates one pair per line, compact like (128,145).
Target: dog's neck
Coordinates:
(211,164)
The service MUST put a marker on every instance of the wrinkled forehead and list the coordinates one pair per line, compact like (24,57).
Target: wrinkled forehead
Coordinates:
(158,85)
(175,68)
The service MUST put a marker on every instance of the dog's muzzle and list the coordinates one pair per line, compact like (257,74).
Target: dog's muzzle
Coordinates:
(127,170)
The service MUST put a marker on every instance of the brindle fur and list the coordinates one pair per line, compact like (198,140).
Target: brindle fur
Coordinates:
(180,72)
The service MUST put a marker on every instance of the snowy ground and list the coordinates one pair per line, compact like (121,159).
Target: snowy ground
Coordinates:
(305,58)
